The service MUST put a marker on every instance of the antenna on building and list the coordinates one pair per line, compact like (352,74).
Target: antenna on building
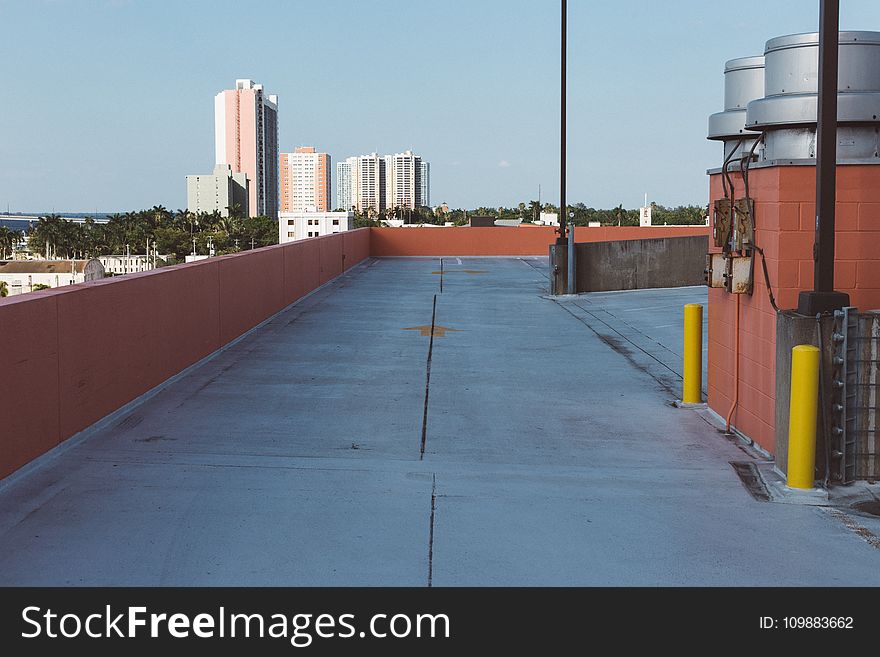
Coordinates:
(646,199)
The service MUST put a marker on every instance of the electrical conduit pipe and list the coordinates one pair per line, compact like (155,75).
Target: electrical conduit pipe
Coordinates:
(735,366)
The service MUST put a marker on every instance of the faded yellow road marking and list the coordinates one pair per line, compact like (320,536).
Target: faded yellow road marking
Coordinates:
(439,331)
(461,271)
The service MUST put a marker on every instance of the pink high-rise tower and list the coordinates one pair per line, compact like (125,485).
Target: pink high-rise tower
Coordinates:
(246,138)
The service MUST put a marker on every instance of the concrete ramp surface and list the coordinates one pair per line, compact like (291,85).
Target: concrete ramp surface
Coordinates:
(385,432)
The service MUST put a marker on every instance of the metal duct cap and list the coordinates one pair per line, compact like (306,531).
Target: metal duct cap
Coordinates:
(743,82)
(792,63)
(779,93)
(791,83)
(790,110)
(812,39)
(753,61)
(729,124)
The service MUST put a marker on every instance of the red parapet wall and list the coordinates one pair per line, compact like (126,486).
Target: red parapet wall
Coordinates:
(785,216)
(504,240)
(77,353)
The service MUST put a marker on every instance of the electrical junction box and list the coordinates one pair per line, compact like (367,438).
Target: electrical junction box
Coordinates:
(716,269)
(742,274)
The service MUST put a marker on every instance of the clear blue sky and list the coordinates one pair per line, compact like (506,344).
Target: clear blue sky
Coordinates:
(108,104)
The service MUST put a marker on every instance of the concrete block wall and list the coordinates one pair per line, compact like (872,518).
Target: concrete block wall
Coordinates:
(640,264)
(76,354)
(784,219)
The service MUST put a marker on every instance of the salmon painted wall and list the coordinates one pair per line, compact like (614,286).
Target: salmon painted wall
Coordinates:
(784,220)
(80,352)
(503,241)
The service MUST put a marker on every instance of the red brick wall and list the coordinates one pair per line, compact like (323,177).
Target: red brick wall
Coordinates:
(785,219)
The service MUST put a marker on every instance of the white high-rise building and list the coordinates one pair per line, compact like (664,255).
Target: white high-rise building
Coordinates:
(246,138)
(400,171)
(368,183)
(382,182)
(344,188)
(425,184)
(404,180)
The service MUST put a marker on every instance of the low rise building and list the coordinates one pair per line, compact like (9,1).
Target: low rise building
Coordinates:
(115,265)
(293,226)
(481,221)
(399,223)
(218,192)
(23,276)
(549,218)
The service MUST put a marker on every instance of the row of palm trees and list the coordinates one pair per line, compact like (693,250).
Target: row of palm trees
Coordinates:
(175,234)
(9,240)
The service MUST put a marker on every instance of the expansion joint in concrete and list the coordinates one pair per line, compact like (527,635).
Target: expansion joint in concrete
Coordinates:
(431,530)
(428,380)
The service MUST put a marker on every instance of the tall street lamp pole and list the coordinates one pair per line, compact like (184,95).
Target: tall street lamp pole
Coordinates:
(823,298)
(566,230)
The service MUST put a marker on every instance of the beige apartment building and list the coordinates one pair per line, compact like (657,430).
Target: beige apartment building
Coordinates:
(305,180)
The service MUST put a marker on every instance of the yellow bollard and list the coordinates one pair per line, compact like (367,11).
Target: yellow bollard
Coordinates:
(693,354)
(804,398)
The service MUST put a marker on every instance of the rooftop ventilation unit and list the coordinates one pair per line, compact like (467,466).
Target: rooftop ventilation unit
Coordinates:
(743,82)
(787,112)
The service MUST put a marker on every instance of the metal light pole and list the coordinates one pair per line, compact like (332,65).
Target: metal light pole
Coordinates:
(823,297)
(565,227)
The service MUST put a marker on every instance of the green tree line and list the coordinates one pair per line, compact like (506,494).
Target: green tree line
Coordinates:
(582,215)
(170,233)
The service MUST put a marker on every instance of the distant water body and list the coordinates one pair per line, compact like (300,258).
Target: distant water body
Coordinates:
(17,224)
(23,223)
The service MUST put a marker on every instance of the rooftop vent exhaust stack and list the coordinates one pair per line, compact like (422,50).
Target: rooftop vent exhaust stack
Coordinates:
(787,112)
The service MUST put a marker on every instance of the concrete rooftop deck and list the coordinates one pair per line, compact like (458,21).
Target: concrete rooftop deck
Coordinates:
(550,456)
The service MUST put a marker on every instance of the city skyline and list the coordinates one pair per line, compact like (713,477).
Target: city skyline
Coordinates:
(383,183)
(483,110)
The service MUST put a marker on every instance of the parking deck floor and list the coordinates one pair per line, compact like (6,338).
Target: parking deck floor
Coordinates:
(386,432)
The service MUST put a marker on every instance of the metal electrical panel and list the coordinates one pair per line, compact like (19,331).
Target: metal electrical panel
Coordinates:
(722,222)
(744,224)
